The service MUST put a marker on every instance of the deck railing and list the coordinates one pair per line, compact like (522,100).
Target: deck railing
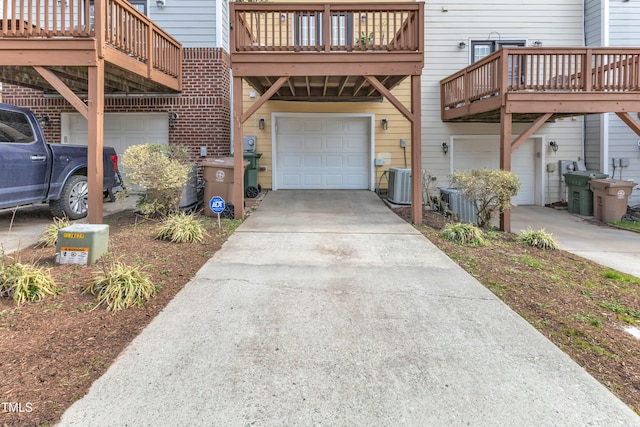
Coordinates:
(126,29)
(327,27)
(544,70)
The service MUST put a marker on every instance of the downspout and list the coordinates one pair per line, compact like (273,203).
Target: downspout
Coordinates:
(604,118)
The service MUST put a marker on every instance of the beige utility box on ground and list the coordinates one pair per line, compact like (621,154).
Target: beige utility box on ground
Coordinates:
(82,243)
(610,198)
(218,180)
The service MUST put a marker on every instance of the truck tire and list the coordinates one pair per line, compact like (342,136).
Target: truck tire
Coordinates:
(73,200)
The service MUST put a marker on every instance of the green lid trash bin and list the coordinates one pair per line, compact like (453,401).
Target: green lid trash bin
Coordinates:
(580,197)
(251,186)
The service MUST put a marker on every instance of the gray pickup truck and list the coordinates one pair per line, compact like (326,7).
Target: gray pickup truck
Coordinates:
(33,171)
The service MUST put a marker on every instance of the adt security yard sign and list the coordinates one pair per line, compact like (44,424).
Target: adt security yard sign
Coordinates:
(217,205)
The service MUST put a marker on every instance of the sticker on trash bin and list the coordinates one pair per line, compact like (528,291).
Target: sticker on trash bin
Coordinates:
(217,204)
(620,194)
(220,176)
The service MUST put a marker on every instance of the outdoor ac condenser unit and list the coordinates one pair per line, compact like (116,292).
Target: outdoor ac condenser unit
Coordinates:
(459,205)
(399,191)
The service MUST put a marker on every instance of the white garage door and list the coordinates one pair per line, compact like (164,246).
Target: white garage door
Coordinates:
(315,152)
(121,130)
(485,153)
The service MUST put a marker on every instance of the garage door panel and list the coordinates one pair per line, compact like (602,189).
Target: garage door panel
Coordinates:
(334,161)
(312,161)
(356,181)
(356,162)
(312,180)
(334,180)
(334,153)
(292,161)
(121,130)
(311,125)
(291,179)
(290,145)
(311,143)
(335,144)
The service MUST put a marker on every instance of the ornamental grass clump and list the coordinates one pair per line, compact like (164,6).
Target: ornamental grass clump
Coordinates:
(25,282)
(122,286)
(464,233)
(49,237)
(537,238)
(181,228)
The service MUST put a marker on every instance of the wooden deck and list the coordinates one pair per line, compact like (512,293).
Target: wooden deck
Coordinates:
(68,36)
(84,49)
(328,52)
(529,82)
(538,85)
(385,40)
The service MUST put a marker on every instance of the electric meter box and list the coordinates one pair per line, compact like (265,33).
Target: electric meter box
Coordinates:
(82,243)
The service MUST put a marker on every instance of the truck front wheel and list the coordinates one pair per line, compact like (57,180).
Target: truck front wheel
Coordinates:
(73,200)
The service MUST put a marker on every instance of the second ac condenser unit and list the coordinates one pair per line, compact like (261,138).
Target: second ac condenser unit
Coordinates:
(399,191)
(458,204)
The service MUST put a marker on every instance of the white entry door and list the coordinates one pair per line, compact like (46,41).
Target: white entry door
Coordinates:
(479,153)
(121,130)
(316,152)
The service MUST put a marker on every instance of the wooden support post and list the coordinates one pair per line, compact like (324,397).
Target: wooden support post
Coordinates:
(95,175)
(238,156)
(506,126)
(416,152)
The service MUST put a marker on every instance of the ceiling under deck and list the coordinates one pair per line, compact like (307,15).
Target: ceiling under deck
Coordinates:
(117,80)
(324,88)
(493,116)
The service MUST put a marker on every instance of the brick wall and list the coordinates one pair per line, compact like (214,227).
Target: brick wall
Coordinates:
(203,107)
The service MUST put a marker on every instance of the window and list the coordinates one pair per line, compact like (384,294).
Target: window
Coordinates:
(483,48)
(15,127)
(141,5)
(309,29)
(480,49)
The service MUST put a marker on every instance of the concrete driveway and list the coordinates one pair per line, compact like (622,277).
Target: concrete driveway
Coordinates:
(324,308)
(618,249)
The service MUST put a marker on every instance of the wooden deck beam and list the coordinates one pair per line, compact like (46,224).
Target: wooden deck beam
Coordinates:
(629,121)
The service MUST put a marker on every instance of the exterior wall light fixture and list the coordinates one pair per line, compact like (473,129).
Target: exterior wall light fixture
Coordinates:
(385,124)
(160,3)
(261,124)
(462,45)
(553,145)
(445,148)
(537,43)
(173,118)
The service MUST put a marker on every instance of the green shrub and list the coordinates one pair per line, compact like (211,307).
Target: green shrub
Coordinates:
(161,171)
(25,282)
(121,286)
(181,228)
(464,233)
(49,237)
(490,191)
(537,238)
